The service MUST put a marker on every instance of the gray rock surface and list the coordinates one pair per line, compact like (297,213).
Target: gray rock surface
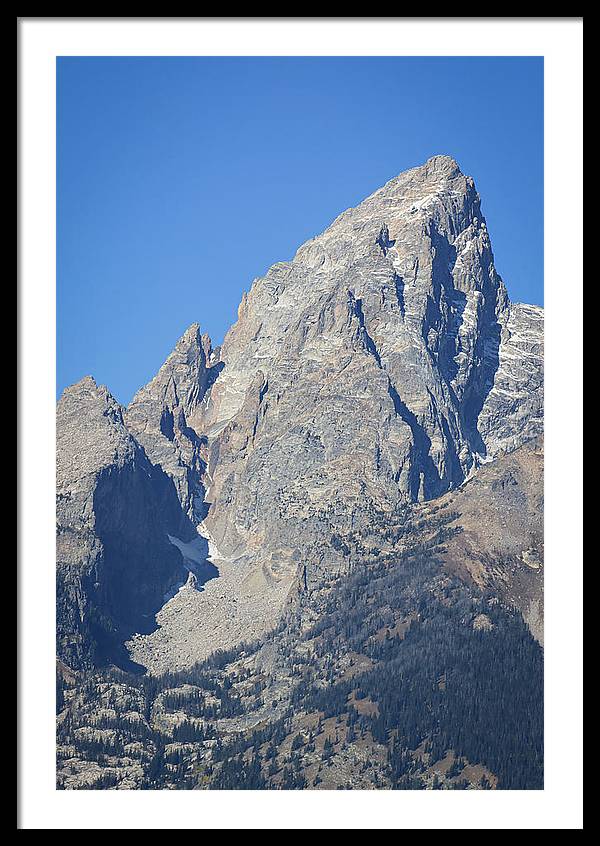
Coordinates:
(513,411)
(381,365)
(114,559)
(159,416)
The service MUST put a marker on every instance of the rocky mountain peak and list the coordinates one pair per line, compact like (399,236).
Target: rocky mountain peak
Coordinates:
(441,164)
(181,380)
(90,431)
(87,390)
(381,342)
(113,511)
(161,413)
(437,174)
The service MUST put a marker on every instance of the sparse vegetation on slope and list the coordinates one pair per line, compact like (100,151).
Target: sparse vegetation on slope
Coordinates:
(382,678)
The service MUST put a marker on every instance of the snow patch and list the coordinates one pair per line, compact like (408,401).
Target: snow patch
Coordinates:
(193,552)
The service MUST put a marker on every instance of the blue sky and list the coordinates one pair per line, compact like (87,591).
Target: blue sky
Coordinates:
(180,180)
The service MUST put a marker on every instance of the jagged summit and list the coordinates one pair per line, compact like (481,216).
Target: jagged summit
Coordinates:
(441,162)
(184,367)
(436,166)
(85,382)
(113,510)
(88,388)
(379,343)
(162,413)
(436,172)
(90,431)
(432,189)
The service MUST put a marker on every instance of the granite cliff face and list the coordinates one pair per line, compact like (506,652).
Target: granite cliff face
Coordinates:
(114,560)
(378,369)
(160,413)
(513,410)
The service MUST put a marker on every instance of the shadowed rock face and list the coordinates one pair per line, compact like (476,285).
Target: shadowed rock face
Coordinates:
(114,559)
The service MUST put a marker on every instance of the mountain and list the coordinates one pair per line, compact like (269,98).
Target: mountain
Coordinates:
(113,510)
(354,478)
(159,413)
(381,366)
